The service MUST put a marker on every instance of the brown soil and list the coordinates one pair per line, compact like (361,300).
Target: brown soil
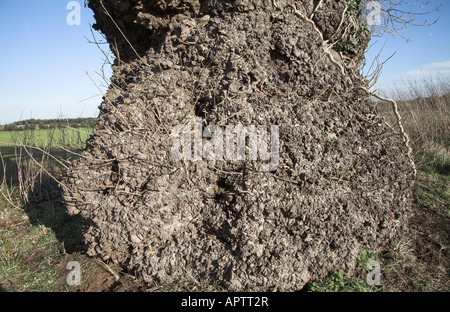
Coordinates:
(97,276)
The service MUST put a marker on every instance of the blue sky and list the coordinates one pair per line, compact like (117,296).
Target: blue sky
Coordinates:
(44,60)
(426,54)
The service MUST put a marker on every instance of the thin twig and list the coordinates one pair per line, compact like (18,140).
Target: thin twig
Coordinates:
(324,43)
(400,125)
(116,276)
(39,149)
(125,37)
(315,9)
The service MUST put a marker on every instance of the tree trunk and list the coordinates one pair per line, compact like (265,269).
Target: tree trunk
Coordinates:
(269,216)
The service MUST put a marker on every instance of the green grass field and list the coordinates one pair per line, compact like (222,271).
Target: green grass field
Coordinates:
(43,149)
(46,137)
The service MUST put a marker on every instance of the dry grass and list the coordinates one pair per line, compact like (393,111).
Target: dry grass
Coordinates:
(425,110)
(34,160)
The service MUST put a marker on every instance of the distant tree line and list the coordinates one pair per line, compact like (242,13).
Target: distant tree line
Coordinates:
(32,124)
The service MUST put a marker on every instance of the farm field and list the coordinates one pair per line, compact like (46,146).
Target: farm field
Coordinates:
(45,137)
(43,147)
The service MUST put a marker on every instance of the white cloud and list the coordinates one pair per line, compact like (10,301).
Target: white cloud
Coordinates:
(426,71)
(445,64)
(416,78)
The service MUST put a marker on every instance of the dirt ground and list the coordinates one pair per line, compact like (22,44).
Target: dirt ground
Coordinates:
(98,276)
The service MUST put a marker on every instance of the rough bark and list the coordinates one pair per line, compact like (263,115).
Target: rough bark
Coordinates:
(343,182)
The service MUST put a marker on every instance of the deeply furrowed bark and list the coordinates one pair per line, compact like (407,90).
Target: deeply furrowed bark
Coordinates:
(343,182)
